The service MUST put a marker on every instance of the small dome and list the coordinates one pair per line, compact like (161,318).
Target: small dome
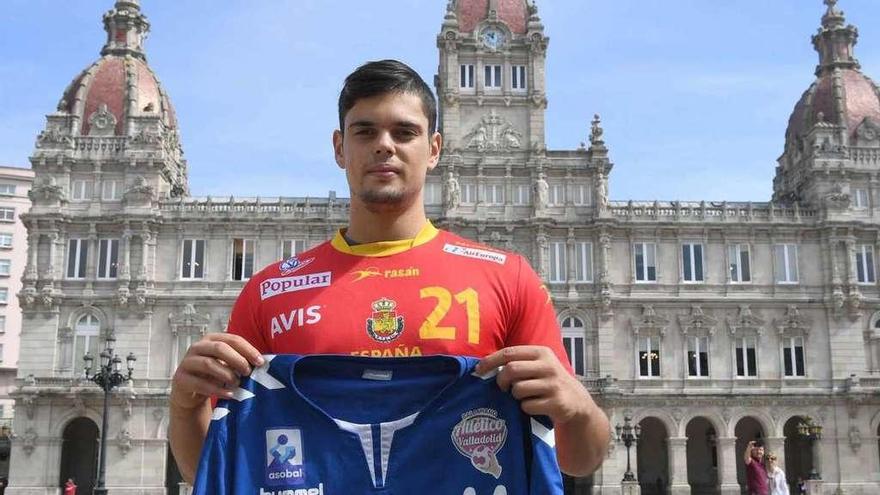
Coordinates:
(120,84)
(841,94)
(514,13)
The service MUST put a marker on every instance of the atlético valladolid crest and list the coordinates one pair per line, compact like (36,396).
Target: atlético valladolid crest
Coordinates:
(384,324)
(479,436)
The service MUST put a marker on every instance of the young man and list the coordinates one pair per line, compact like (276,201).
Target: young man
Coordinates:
(392,284)
(757,481)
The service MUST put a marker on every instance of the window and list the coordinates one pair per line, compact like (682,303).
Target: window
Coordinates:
(522,194)
(557,194)
(4,295)
(573,335)
(7,189)
(469,193)
(111,190)
(645,267)
(5,240)
(649,356)
(292,247)
(494,194)
(184,340)
(467,76)
(865,264)
(739,263)
(2,324)
(81,190)
(242,259)
(5,266)
(77,256)
(108,255)
(698,356)
(85,340)
(433,193)
(581,195)
(860,198)
(793,356)
(583,259)
(7,214)
(746,357)
(193,260)
(518,77)
(493,76)
(557,262)
(786,264)
(692,262)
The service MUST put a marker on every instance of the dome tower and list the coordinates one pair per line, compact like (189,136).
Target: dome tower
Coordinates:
(833,136)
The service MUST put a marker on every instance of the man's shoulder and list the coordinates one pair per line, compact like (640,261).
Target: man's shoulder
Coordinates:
(293,264)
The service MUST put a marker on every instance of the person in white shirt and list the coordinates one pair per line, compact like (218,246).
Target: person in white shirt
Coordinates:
(778,484)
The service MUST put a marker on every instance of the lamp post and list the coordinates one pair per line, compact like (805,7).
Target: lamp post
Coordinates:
(107,377)
(812,432)
(628,434)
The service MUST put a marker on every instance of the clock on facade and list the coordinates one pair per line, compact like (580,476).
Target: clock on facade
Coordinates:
(492,37)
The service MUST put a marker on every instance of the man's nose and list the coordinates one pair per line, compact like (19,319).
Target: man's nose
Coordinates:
(384,143)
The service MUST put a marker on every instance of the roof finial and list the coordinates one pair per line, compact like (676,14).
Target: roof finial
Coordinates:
(126,29)
(835,41)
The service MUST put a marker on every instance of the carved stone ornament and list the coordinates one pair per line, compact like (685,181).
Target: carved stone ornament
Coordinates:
(839,197)
(855,438)
(46,190)
(123,440)
(792,322)
(649,322)
(28,441)
(52,136)
(451,191)
(30,405)
(189,320)
(745,321)
(150,134)
(139,191)
(868,132)
(697,322)
(494,133)
(102,122)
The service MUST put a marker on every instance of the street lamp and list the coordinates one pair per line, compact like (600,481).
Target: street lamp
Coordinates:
(107,377)
(628,434)
(812,432)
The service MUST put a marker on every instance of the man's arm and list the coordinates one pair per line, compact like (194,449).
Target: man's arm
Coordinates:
(747,455)
(535,377)
(212,367)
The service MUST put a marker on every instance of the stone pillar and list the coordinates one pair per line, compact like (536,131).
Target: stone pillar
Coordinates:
(728,458)
(124,272)
(678,478)
(814,487)
(571,263)
(145,240)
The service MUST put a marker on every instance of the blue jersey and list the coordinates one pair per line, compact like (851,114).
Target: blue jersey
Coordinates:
(349,425)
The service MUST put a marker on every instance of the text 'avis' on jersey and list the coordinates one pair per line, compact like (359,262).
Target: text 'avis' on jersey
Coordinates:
(296,318)
(348,425)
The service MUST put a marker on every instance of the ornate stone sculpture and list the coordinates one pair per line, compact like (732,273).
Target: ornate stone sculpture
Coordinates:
(493,132)
(452,191)
(542,192)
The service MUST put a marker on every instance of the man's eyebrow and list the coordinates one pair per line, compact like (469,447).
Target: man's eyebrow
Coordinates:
(362,123)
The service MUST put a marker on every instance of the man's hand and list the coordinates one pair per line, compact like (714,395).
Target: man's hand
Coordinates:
(535,377)
(212,366)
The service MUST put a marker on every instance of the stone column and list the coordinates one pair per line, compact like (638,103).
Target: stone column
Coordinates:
(678,477)
(124,272)
(145,241)
(728,458)
(571,263)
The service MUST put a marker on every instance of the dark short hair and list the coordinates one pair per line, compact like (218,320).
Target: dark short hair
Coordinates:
(759,443)
(382,77)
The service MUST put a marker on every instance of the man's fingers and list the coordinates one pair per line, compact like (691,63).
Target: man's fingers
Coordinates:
(242,346)
(517,371)
(529,389)
(211,369)
(191,390)
(509,354)
(220,350)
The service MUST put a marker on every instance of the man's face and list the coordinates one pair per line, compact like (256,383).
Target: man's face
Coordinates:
(758,452)
(386,151)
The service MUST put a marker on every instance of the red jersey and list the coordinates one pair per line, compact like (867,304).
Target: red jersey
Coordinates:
(435,294)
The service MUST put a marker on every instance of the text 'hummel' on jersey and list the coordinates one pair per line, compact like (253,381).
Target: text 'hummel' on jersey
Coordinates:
(275,286)
(319,490)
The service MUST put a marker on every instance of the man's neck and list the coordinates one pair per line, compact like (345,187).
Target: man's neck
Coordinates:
(368,226)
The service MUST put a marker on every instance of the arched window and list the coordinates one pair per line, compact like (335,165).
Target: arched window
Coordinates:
(85,339)
(573,339)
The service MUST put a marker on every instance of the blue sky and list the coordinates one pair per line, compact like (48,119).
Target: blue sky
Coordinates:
(694,94)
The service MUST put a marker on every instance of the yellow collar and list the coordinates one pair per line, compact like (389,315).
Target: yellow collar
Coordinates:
(384,248)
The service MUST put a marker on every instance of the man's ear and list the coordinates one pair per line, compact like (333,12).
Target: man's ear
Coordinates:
(436,145)
(337,148)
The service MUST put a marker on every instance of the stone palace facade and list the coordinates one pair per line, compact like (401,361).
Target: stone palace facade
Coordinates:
(708,323)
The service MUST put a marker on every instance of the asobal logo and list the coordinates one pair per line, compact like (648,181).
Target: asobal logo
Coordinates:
(284,457)
(274,286)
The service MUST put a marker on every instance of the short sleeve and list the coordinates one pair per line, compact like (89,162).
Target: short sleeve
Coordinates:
(534,321)
(244,321)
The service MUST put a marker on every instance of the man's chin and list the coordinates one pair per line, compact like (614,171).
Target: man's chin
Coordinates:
(385,200)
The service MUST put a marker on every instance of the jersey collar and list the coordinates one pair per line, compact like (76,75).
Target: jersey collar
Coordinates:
(385,248)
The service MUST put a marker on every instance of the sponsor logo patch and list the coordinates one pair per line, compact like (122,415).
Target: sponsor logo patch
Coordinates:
(480,254)
(274,286)
(298,318)
(479,436)
(384,325)
(284,457)
(370,272)
(293,264)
